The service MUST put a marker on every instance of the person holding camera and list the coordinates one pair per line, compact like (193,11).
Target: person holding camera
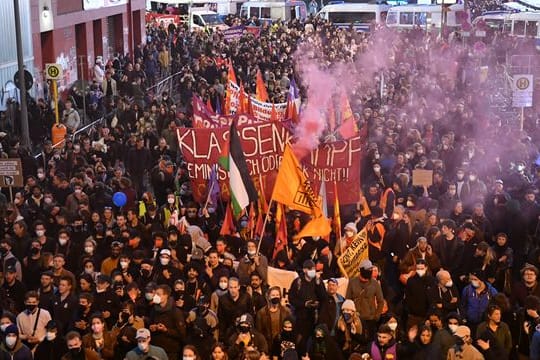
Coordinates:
(306,294)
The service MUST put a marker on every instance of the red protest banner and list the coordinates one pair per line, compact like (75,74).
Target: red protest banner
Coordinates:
(263,146)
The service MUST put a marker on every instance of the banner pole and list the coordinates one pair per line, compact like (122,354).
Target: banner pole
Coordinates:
(264,224)
(522,119)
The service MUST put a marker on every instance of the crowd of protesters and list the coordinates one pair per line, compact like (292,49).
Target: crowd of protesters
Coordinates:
(452,270)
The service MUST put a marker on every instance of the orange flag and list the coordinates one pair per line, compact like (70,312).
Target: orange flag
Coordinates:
(260,88)
(273,114)
(263,205)
(228,227)
(259,224)
(249,105)
(292,188)
(252,221)
(337,215)
(231,76)
(242,104)
(281,230)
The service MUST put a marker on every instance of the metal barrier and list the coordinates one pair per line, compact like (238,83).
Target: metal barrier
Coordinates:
(74,134)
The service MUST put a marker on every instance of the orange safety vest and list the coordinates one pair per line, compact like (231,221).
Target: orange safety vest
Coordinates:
(384,198)
(371,228)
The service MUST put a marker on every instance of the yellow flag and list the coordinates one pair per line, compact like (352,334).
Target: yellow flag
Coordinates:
(349,261)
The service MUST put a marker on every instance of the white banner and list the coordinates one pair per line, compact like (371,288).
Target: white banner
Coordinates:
(522,90)
(261,110)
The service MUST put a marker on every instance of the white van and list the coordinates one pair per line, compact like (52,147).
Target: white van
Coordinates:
(222,7)
(524,24)
(360,16)
(492,19)
(422,16)
(202,18)
(274,10)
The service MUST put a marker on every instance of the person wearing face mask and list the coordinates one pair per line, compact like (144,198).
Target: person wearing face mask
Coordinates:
(165,271)
(167,210)
(90,253)
(167,323)
(284,343)
(245,337)
(367,295)
(144,349)
(8,259)
(99,339)
(349,333)
(306,294)
(251,262)
(222,288)
(322,346)
(416,294)
(53,346)
(474,190)
(76,351)
(475,298)
(268,320)
(106,300)
(422,250)
(349,232)
(443,339)
(202,326)
(32,321)
(46,242)
(463,349)
(12,347)
(445,296)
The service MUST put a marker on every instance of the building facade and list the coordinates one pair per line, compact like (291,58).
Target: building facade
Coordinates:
(8,50)
(74,32)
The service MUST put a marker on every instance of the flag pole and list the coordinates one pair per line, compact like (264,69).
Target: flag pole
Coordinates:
(210,193)
(264,224)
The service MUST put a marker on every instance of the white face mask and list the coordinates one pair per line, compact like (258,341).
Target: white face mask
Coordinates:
(50,335)
(40,233)
(89,249)
(188,358)
(170,200)
(376,169)
(472,178)
(3,327)
(392,326)
(47,200)
(143,346)
(78,191)
(421,272)
(223,285)
(453,328)
(10,341)
(124,264)
(164,261)
(475,283)
(449,283)
(395,216)
(410,204)
(97,328)
(156,299)
(349,233)
(311,274)
(62,242)
(252,252)
(149,296)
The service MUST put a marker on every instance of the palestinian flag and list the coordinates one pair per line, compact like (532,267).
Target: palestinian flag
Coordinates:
(233,160)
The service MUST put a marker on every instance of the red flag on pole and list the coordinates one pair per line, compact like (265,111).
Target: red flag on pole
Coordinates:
(281,231)
(228,227)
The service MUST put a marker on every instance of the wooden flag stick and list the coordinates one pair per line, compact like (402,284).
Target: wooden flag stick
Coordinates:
(264,225)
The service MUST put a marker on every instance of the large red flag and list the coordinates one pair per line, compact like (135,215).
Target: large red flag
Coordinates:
(347,128)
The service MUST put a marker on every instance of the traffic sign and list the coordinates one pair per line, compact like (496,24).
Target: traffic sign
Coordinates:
(11,173)
(522,90)
(53,71)
(28,80)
